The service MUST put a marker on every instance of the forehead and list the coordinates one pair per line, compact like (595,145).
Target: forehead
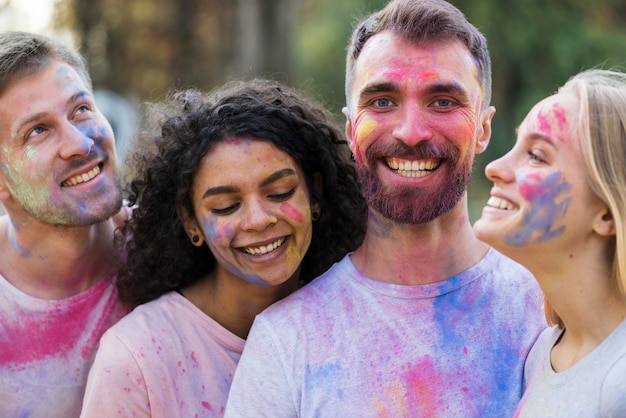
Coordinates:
(554,117)
(243,157)
(386,57)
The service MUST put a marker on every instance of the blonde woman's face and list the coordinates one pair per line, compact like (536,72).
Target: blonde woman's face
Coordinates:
(540,194)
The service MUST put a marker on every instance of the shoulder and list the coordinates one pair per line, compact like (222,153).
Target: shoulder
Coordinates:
(143,321)
(318,295)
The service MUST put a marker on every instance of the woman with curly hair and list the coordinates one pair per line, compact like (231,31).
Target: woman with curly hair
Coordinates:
(240,198)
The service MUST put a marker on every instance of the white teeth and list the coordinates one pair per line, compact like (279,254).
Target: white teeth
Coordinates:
(412,168)
(264,249)
(81,178)
(498,203)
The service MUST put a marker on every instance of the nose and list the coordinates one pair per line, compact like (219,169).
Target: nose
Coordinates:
(501,170)
(74,142)
(412,125)
(257,216)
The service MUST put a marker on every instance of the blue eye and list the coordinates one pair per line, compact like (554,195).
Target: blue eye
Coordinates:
(382,102)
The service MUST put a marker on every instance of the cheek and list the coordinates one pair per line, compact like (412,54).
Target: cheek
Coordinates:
(216,232)
(362,128)
(530,185)
(292,212)
(98,132)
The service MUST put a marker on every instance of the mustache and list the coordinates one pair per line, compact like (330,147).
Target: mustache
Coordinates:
(423,150)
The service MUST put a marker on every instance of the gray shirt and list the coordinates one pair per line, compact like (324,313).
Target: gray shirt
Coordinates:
(593,387)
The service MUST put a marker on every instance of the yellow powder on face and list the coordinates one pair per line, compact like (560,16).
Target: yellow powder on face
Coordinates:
(365,129)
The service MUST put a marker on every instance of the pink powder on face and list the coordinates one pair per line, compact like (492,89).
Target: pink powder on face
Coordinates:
(292,212)
(544,124)
(559,115)
(530,186)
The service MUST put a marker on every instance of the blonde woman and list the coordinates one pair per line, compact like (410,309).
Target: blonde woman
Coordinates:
(557,207)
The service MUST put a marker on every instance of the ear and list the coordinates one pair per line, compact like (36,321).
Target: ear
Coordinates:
(603,223)
(348,131)
(5,194)
(484,133)
(192,229)
(317,193)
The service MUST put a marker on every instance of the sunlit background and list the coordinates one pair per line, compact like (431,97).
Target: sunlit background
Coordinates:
(137,50)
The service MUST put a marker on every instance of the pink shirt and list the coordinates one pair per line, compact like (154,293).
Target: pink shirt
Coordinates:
(165,359)
(47,347)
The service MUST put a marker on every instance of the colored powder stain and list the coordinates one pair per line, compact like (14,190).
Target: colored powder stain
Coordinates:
(22,251)
(530,186)
(236,141)
(30,152)
(365,129)
(544,124)
(54,337)
(559,115)
(292,212)
(380,227)
(417,393)
(544,212)
(207,406)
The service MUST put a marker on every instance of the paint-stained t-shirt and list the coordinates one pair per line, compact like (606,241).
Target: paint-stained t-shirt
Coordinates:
(593,387)
(166,359)
(346,345)
(47,347)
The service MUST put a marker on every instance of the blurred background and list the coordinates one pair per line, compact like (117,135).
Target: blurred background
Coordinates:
(137,50)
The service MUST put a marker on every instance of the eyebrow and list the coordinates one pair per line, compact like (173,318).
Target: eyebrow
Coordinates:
(32,118)
(212,191)
(386,87)
(536,136)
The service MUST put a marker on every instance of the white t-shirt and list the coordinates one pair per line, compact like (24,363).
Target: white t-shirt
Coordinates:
(349,346)
(47,347)
(593,387)
(165,359)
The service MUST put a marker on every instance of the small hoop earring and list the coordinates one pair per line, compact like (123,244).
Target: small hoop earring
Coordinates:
(315,215)
(195,239)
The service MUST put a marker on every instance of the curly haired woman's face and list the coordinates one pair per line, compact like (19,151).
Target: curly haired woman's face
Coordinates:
(253,206)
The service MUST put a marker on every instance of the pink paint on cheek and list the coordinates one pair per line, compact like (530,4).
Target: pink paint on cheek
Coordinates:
(292,212)
(529,185)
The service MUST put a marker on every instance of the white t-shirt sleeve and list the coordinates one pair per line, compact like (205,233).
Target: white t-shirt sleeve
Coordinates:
(116,385)
(260,386)
(612,399)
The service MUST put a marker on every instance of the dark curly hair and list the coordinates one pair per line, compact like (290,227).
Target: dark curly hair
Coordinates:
(160,257)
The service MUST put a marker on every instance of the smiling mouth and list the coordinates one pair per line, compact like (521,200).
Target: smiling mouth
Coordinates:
(264,249)
(81,178)
(496,202)
(413,168)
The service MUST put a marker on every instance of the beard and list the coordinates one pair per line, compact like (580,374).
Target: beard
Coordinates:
(408,204)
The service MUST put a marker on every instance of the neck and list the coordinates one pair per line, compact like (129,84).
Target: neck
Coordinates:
(418,254)
(51,262)
(233,302)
